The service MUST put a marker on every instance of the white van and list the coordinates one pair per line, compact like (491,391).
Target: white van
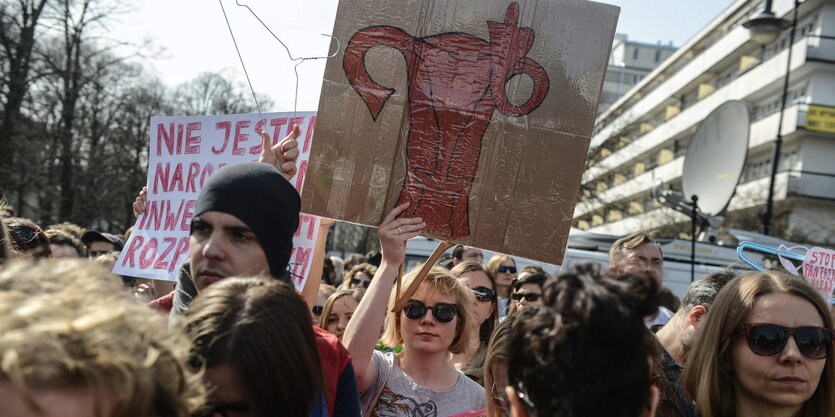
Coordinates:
(586,247)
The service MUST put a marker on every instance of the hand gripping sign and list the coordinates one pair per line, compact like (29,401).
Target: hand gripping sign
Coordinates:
(477,112)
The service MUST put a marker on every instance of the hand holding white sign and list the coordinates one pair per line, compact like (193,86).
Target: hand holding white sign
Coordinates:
(283,155)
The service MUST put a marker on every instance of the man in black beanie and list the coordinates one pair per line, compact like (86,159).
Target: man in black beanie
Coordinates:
(244,222)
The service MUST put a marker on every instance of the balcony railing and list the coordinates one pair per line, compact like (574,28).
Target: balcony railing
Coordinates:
(820,48)
(812,184)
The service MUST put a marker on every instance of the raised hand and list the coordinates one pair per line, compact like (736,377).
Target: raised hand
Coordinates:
(394,232)
(139,203)
(283,155)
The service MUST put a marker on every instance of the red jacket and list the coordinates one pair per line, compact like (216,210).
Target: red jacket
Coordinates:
(334,359)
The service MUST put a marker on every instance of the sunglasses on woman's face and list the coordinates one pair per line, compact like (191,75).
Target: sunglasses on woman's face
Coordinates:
(767,339)
(505,269)
(484,294)
(317,310)
(443,312)
(529,297)
(355,282)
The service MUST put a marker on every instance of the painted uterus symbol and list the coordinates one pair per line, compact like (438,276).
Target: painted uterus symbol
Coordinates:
(455,82)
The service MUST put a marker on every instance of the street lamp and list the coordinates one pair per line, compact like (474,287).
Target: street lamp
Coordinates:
(766,28)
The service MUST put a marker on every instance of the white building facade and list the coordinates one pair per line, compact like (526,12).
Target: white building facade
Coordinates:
(629,63)
(644,135)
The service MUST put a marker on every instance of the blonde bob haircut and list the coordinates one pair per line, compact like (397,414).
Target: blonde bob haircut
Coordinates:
(68,324)
(443,282)
(707,376)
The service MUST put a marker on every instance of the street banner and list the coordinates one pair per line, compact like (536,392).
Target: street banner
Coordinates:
(479,113)
(184,153)
(819,270)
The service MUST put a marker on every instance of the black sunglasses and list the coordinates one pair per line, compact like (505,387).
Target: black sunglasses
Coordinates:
(767,339)
(484,294)
(443,312)
(511,269)
(529,297)
(317,310)
(355,282)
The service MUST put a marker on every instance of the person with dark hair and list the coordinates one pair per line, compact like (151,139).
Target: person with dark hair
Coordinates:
(483,285)
(461,253)
(99,243)
(526,291)
(352,261)
(27,238)
(245,218)
(328,271)
(584,352)
(322,296)
(532,269)
(253,338)
(765,349)
(676,339)
(640,254)
(64,245)
(669,300)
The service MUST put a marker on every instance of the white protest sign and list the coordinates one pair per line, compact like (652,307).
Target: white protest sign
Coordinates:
(819,270)
(184,152)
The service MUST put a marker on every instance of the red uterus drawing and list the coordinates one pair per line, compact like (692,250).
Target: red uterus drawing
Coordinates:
(455,81)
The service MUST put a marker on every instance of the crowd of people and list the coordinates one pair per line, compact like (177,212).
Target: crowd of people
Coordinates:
(233,338)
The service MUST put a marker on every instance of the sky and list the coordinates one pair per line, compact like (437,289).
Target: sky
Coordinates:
(189,37)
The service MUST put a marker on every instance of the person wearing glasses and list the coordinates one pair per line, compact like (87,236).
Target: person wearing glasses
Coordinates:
(338,310)
(481,282)
(526,291)
(27,238)
(360,276)
(434,323)
(765,349)
(325,291)
(504,269)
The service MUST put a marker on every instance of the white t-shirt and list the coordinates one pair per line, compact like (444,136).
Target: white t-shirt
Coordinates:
(403,397)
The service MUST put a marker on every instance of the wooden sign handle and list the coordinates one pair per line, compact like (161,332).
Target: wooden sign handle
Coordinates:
(402,299)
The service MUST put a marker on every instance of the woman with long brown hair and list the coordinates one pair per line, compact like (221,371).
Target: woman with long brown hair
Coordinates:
(254,339)
(481,282)
(765,349)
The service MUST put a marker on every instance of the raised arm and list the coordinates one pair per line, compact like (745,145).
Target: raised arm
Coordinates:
(364,328)
(283,155)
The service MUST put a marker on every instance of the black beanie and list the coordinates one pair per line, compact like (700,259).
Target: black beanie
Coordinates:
(264,200)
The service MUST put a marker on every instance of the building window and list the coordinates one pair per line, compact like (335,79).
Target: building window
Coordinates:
(657,56)
(635,54)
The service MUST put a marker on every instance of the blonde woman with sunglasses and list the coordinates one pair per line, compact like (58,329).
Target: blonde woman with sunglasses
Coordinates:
(765,350)
(435,323)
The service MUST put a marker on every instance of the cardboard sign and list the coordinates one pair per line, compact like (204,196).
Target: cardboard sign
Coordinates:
(184,152)
(819,270)
(477,112)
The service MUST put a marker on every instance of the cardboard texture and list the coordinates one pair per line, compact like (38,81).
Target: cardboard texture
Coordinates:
(479,113)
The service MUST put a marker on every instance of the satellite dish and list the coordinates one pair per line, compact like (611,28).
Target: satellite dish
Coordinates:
(716,156)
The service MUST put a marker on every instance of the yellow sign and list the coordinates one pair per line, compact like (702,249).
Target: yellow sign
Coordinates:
(820,118)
